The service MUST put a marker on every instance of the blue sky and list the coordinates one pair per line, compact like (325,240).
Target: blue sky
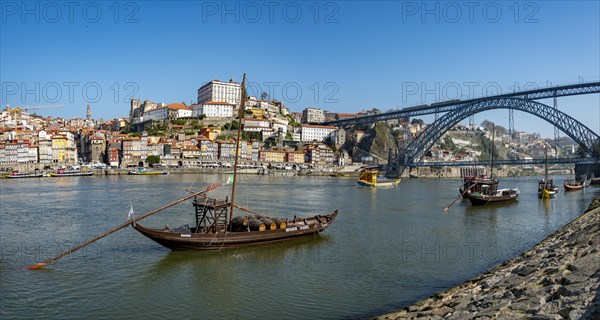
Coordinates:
(340,56)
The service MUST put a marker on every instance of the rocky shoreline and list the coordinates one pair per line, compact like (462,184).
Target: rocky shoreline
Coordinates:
(557,279)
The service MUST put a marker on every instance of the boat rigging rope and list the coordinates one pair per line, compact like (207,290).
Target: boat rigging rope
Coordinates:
(194,181)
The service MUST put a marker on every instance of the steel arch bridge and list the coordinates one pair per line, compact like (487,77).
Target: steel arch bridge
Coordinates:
(581,134)
(449,106)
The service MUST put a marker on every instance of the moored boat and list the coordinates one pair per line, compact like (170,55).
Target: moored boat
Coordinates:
(368,178)
(475,184)
(214,231)
(70,173)
(546,187)
(490,194)
(486,189)
(23,175)
(145,172)
(573,186)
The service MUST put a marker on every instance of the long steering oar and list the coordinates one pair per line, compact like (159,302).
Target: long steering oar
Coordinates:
(460,196)
(121,226)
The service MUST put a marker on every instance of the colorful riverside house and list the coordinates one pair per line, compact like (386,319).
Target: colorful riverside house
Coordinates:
(254,146)
(3,160)
(45,150)
(272,156)
(191,152)
(206,147)
(319,153)
(226,150)
(295,156)
(114,155)
(243,150)
(59,148)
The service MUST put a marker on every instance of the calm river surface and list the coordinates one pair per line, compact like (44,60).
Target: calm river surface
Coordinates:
(388,247)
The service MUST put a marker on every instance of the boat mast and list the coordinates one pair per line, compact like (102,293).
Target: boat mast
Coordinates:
(492,151)
(237,145)
(546,182)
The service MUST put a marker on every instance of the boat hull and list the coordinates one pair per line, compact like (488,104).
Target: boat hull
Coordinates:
(390,183)
(483,200)
(572,187)
(25,176)
(220,240)
(546,194)
(76,174)
(152,173)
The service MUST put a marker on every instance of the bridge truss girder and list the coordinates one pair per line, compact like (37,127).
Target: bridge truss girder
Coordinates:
(581,134)
(449,106)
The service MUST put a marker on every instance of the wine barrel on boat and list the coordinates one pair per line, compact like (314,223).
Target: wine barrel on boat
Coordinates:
(239,223)
(281,224)
(269,223)
(256,225)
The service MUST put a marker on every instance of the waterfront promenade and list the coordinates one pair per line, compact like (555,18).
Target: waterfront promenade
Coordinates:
(557,279)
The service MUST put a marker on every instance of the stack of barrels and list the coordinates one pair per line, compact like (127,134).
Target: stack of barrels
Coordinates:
(245,223)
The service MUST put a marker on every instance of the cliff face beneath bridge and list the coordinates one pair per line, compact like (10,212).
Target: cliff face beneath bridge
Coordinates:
(377,142)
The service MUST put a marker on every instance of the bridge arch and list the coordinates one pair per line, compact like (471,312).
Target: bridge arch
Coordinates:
(581,134)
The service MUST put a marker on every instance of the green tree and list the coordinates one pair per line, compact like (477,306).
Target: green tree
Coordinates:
(416,121)
(180,122)
(581,153)
(251,136)
(596,150)
(233,125)
(152,159)
(448,144)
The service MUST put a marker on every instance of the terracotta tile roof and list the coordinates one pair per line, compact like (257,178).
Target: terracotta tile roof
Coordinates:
(178,106)
(318,126)
(218,102)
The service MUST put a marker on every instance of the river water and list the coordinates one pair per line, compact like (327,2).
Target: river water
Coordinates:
(387,249)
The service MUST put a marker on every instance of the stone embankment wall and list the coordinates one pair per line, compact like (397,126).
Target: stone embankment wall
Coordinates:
(557,279)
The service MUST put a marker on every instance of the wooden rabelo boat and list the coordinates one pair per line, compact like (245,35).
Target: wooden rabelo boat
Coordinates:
(546,189)
(368,178)
(490,194)
(486,190)
(213,230)
(475,184)
(574,185)
(216,227)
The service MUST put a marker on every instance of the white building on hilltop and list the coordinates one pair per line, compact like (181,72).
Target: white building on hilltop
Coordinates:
(171,111)
(213,109)
(313,115)
(312,132)
(220,91)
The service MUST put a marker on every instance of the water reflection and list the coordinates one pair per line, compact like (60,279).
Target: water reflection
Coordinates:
(387,248)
